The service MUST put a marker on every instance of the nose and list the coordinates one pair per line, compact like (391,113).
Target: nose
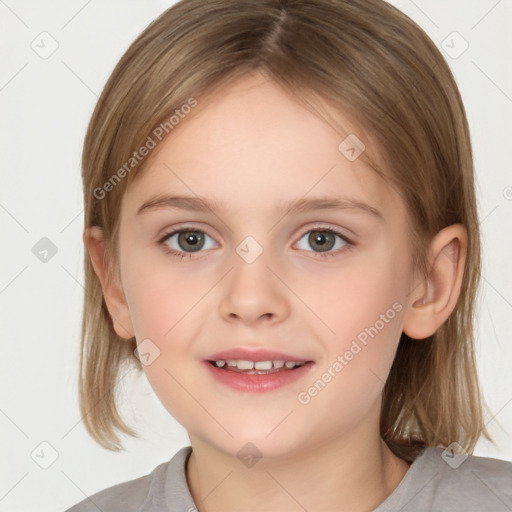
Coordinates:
(252,293)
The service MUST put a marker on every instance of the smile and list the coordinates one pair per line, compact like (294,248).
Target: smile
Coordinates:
(257,376)
(256,367)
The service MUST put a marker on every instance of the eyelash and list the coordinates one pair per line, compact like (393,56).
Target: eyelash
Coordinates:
(181,255)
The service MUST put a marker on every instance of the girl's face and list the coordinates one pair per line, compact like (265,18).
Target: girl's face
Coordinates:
(247,275)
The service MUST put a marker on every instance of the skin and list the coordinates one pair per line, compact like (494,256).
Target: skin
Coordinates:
(253,147)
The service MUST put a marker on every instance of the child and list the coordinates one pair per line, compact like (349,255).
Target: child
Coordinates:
(282,233)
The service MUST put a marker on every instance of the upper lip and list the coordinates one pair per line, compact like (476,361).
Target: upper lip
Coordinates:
(259,354)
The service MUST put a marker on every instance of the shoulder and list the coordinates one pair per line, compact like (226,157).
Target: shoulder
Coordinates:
(474,470)
(128,496)
(438,480)
(466,482)
(137,495)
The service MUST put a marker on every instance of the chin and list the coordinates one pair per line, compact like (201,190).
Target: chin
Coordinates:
(253,444)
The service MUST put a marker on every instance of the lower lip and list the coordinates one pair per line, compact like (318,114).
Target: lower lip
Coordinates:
(257,383)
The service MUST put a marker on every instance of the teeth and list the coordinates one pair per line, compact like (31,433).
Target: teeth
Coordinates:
(258,365)
(263,365)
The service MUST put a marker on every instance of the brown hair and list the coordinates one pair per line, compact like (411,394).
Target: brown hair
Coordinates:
(369,61)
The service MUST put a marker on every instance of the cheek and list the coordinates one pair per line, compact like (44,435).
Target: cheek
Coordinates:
(166,306)
(366,317)
(364,309)
(159,297)
(163,310)
(355,297)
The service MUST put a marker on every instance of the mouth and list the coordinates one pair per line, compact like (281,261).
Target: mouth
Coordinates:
(257,367)
(256,371)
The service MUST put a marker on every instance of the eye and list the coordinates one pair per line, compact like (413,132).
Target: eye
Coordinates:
(183,242)
(324,241)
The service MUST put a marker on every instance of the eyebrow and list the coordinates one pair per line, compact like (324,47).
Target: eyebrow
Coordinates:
(300,205)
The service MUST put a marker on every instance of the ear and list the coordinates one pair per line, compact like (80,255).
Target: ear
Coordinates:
(112,290)
(433,300)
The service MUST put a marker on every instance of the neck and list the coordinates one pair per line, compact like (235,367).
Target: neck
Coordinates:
(341,475)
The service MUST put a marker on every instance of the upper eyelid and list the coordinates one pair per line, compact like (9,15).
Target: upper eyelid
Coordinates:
(334,231)
(167,233)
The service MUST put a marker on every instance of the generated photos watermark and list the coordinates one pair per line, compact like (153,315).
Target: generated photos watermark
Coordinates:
(342,360)
(157,135)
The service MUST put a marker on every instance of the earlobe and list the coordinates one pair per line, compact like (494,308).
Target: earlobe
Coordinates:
(112,290)
(434,299)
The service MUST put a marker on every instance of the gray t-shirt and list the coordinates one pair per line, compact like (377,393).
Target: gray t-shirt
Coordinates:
(432,483)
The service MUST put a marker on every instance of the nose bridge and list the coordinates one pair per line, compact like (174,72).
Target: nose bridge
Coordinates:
(252,291)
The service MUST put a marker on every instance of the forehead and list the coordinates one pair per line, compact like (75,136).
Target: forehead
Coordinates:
(249,142)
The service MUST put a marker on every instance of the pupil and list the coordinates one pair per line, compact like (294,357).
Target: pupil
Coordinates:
(323,239)
(193,238)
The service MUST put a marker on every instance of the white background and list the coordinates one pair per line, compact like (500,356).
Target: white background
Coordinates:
(45,107)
